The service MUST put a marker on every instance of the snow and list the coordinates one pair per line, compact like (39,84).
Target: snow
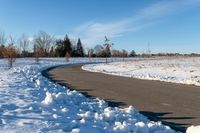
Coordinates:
(31,103)
(48,99)
(176,70)
(193,129)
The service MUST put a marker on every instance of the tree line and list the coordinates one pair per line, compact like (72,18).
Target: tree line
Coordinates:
(46,45)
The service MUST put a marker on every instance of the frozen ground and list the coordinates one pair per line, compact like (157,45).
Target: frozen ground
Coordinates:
(31,103)
(177,70)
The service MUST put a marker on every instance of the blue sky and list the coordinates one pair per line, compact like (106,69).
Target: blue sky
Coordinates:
(168,25)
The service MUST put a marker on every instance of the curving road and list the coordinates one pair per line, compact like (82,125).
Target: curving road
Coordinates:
(175,105)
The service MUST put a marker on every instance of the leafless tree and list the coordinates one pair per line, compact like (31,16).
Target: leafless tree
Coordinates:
(37,54)
(2,48)
(67,56)
(44,41)
(90,54)
(2,43)
(107,47)
(24,43)
(124,54)
(115,53)
(52,51)
(42,44)
(10,52)
(2,38)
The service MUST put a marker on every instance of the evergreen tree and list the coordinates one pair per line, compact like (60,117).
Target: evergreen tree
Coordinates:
(63,47)
(132,53)
(59,50)
(74,51)
(67,45)
(80,52)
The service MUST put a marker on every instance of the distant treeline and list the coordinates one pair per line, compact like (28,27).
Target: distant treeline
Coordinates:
(169,55)
(46,45)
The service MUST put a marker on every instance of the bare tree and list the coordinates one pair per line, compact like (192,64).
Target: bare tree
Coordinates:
(10,52)
(107,47)
(24,43)
(2,38)
(67,56)
(98,49)
(44,41)
(37,53)
(124,54)
(115,53)
(2,48)
(2,43)
(42,44)
(90,54)
(52,52)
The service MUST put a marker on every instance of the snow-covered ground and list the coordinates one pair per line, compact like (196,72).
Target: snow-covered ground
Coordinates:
(177,70)
(31,103)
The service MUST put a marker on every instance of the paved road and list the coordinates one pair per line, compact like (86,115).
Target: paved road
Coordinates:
(175,105)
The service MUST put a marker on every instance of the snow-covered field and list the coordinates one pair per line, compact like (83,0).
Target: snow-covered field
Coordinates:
(31,103)
(177,70)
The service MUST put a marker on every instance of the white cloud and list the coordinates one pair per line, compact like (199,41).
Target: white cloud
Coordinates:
(92,32)
(166,7)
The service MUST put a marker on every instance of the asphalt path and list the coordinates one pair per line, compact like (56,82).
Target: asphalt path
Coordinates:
(176,105)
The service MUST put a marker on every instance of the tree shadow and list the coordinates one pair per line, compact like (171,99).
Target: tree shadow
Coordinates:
(160,116)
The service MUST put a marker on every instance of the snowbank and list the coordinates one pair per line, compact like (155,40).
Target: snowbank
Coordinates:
(177,70)
(193,129)
(31,103)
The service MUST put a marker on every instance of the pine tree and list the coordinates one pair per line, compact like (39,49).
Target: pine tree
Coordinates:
(67,45)
(132,53)
(63,47)
(80,52)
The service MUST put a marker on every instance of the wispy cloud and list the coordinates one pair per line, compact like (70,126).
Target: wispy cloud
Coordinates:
(92,32)
(166,7)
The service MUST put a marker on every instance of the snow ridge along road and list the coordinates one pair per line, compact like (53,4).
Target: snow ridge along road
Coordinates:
(160,101)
